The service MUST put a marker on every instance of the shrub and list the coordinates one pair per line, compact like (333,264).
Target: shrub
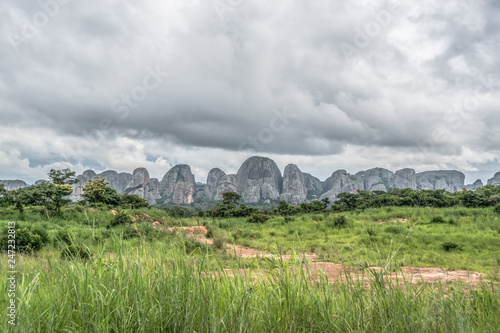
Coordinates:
(448,246)
(76,252)
(394,229)
(191,244)
(257,218)
(26,240)
(497,209)
(219,242)
(438,219)
(120,218)
(338,221)
(63,236)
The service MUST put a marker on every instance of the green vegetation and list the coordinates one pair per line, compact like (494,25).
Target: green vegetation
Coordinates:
(159,281)
(111,264)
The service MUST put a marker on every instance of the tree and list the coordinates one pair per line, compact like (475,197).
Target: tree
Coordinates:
(96,191)
(5,196)
(231,198)
(62,177)
(50,196)
(134,201)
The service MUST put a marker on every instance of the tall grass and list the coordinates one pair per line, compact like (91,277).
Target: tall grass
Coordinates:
(158,287)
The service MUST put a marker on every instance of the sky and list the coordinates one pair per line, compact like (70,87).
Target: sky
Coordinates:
(325,85)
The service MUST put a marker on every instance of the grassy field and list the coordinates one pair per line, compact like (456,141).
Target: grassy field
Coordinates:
(142,279)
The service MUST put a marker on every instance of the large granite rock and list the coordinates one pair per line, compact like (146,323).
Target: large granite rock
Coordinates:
(117,181)
(80,184)
(450,180)
(178,185)
(13,184)
(405,178)
(341,181)
(200,193)
(376,179)
(213,178)
(144,186)
(259,178)
(314,186)
(474,186)
(227,183)
(294,187)
(495,180)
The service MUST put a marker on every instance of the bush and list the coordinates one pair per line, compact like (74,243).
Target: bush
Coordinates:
(338,221)
(63,236)
(219,242)
(497,209)
(257,218)
(448,246)
(437,219)
(76,252)
(27,240)
(120,218)
(394,229)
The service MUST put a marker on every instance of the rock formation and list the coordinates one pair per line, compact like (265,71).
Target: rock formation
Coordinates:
(227,183)
(294,186)
(341,181)
(259,178)
(474,186)
(376,179)
(143,186)
(405,178)
(177,186)
(213,178)
(495,180)
(118,181)
(13,184)
(80,184)
(313,185)
(450,180)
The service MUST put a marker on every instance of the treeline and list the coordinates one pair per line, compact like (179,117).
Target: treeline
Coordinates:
(486,196)
(52,195)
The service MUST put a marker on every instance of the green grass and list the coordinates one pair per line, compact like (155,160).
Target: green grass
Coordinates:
(158,282)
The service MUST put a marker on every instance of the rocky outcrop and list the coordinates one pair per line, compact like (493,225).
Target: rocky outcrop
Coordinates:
(213,179)
(10,185)
(495,180)
(474,186)
(200,194)
(405,178)
(450,180)
(117,181)
(377,179)
(294,187)
(259,178)
(178,185)
(341,181)
(227,183)
(80,184)
(143,186)
(314,186)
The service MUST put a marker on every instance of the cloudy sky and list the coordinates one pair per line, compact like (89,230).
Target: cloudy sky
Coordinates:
(326,85)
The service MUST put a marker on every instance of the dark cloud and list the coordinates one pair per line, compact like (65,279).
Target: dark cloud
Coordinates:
(227,75)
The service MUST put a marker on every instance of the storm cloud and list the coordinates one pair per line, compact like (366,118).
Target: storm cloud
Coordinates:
(326,85)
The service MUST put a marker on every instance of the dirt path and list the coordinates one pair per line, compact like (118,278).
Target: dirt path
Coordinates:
(333,272)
